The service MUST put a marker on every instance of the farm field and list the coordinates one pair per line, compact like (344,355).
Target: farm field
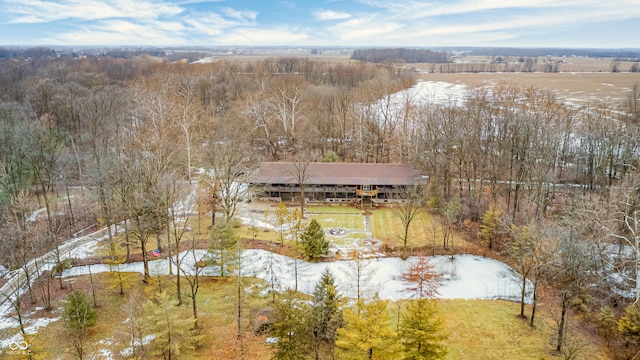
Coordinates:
(577,88)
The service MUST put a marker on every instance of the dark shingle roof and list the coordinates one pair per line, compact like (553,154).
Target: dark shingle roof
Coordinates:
(335,173)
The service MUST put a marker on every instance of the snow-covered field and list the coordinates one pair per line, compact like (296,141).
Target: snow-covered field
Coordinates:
(464,277)
(434,92)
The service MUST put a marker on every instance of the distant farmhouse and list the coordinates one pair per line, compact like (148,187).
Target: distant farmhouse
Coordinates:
(332,182)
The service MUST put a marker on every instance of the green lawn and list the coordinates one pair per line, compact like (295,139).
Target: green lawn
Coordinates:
(332,210)
(248,232)
(353,222)
(217,306)
(490,329)
(476,329)
(424,230)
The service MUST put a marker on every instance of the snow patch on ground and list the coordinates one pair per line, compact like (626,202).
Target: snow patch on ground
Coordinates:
(31,327)
(464,276)
(434,92)
(145,341)
(85,251)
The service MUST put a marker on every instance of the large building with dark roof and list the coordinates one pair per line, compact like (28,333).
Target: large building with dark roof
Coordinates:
(332,182)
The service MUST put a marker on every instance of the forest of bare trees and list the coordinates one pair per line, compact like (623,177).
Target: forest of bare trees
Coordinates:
(560,183)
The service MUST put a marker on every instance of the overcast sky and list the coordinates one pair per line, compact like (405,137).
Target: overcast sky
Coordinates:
(520,23)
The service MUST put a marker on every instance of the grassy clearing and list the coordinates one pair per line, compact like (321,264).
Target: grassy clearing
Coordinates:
(216,308)
(424,230)
(332,210)
(490,329)
(353,222)
(248,232)
(476,329)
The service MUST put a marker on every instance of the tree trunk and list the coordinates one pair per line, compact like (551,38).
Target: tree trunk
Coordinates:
(126,240)
(194,306)
(295,270)
(302,201)
(239,315)
(533,305)
(145,261)
(213,211)
(178,287)
(93,288)
(522,294)
(562,323)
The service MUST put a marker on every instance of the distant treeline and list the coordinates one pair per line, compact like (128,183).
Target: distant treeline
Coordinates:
(46,52)
(401,55)
(34,52)
(613,53)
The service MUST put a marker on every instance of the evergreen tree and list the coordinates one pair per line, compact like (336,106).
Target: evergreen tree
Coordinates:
(421,331)
(629,325)
(326,315)
(330,156)
(367,334)
(290,326)
(223,248)
(606,322)
(174,331)
(78,316)
(489,226)
(282,220)
(313,241)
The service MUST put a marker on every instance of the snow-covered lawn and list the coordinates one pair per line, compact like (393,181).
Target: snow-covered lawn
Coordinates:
(464,277)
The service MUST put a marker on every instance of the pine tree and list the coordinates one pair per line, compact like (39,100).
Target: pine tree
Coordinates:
(606,322)
(282,220)
(489,226)
(291,328)
(421,331)
(367,334)
(174,332)
(629,324)
(78,316)
(314,243)
(223,248)
(326,314)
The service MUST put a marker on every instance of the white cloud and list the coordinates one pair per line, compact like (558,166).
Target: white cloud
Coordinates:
(118,32)
(376,22)
(37,11)
(210,24)
(242,15)
(412,9)
(331,15)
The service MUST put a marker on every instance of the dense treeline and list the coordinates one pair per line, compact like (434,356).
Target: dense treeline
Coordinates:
(128,129)
(536,52)
(551,187)
(401,55)
(40,52)
(500,64)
